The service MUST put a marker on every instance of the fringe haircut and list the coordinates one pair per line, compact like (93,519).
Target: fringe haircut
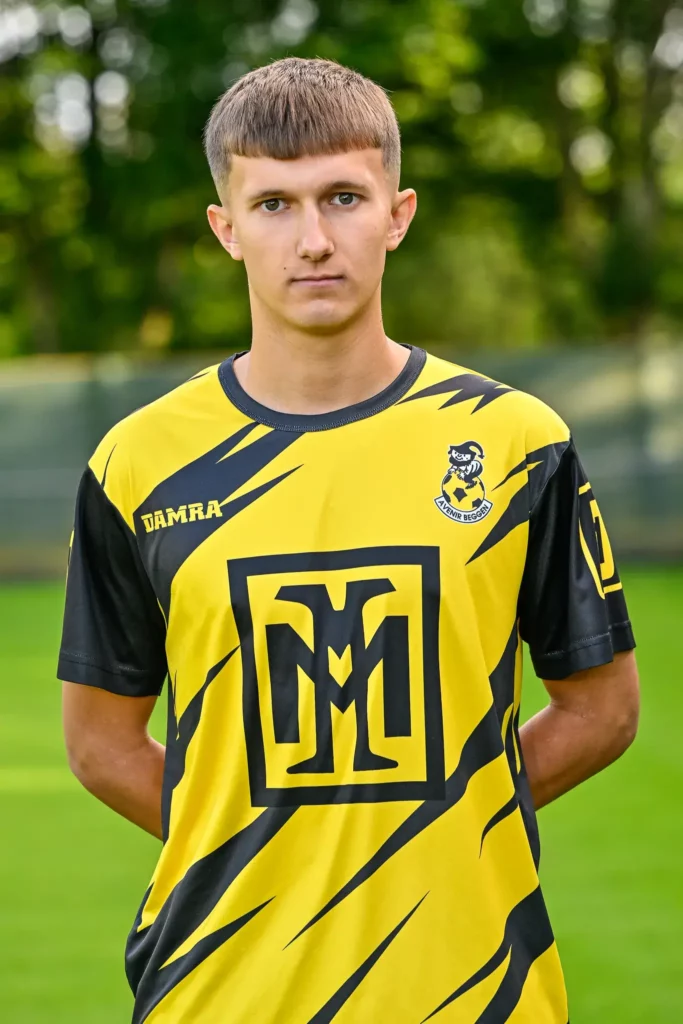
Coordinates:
(299,107)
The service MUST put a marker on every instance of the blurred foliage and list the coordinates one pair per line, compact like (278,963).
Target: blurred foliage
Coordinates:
(545,140)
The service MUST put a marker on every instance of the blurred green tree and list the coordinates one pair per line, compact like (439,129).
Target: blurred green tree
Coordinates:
(545,140)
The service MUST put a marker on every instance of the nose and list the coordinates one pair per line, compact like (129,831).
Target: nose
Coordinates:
(315,242)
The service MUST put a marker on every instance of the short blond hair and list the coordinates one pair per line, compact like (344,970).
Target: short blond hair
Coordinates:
(300,107)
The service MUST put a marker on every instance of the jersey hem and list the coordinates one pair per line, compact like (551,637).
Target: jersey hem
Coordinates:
(71,669)
(591,652)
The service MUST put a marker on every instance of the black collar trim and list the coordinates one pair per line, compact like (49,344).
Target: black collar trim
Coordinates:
(326,420)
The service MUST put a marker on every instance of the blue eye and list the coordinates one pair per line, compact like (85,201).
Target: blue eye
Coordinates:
(271,205)
(346,198)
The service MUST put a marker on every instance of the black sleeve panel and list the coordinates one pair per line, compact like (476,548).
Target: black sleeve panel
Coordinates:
(114,632)
(572,611)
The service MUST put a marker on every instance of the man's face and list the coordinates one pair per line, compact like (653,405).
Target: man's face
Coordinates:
(313,233)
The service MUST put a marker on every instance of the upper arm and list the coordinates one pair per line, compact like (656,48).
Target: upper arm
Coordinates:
(98,723)
(609,693)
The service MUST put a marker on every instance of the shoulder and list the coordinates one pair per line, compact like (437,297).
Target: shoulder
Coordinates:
(517,412)
(133,434)
(146,445)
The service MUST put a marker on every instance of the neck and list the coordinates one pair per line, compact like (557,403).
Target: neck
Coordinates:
(304,373)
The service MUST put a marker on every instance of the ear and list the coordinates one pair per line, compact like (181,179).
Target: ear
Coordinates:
(222,227)
(402,212)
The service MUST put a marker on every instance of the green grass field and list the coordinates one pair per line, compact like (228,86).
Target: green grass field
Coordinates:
(72,873)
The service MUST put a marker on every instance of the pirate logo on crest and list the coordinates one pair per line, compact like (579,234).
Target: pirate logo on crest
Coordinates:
(463,495)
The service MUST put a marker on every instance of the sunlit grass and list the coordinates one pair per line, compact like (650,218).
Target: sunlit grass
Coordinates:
(73,873)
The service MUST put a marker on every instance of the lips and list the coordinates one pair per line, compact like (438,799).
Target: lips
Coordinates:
(326,279)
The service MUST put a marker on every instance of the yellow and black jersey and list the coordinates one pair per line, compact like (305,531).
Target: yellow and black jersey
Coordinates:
(337,601)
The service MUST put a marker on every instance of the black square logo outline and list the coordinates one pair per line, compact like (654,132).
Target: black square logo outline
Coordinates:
(240,570)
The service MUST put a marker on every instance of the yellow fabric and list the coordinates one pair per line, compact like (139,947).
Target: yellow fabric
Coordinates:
(371,485)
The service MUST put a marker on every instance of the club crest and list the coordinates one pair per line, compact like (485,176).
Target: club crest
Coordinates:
(463,494)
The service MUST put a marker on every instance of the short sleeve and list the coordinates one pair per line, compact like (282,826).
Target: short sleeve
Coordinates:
(114,632)
(572,610)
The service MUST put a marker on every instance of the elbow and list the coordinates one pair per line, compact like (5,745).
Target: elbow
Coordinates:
(78,762)
(625,727)
(630,729)
(85,763)
(623,704)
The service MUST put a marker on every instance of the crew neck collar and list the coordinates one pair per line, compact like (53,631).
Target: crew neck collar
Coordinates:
(326,420)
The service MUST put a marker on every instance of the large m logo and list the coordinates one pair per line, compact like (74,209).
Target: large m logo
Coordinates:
(341,682)
(337,630)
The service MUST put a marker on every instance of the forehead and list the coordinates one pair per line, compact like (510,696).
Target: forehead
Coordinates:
(306,174)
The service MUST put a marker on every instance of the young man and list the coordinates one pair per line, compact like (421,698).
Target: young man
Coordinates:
(332,545)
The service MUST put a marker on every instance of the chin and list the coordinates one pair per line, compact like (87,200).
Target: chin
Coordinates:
(322,320)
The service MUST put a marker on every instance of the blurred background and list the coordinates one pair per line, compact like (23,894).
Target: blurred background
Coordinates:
(545,140)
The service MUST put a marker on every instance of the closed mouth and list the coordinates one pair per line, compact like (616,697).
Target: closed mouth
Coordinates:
(317,279)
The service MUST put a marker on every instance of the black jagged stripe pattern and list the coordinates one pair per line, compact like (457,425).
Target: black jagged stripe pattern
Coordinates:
(524,797)
(213,476)
(106,467)
(502,679)
(540,466)
(168,977)
(526,937)
(514,515)
(465,386)
(332,1007)
(483,746)
(549,456)
(178,736)
(502,685)
(193,899)
(132,973)
(501,814)
(533,937)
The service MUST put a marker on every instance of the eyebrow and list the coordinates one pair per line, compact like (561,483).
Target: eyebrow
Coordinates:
(343,185)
